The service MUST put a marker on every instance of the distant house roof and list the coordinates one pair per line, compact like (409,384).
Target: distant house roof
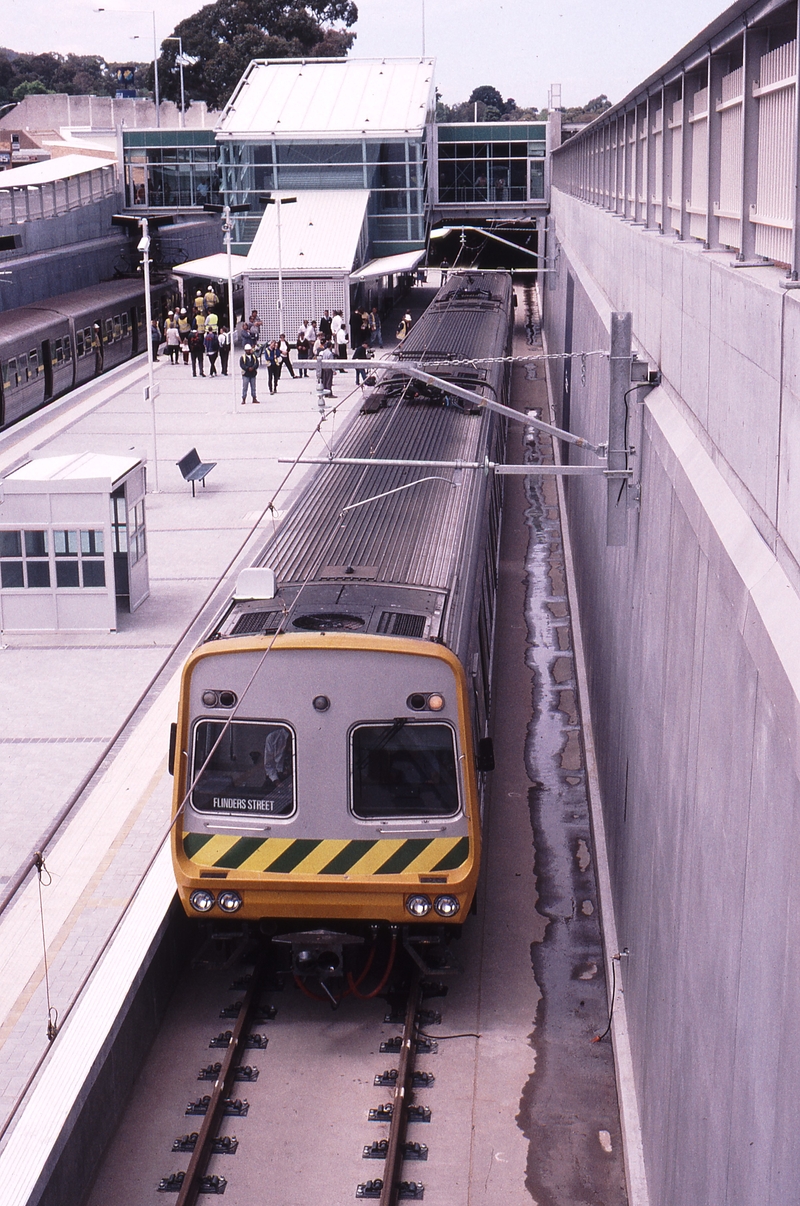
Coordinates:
(52,169)
(329,98)
(321,231)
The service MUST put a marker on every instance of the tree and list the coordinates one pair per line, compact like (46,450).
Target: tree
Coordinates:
(24,75)
(587,112)
(30,88)
(220,40)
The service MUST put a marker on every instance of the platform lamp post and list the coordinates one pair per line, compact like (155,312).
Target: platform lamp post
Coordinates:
(143,246)
(268,199)
(227,230)
(143,12)
(180,65)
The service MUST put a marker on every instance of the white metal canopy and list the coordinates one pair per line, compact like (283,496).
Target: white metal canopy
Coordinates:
(215,267)
(406,261)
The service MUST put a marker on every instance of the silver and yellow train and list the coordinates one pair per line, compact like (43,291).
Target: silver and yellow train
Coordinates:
(332,730)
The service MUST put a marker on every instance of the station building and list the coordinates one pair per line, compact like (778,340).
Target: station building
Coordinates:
(294,125)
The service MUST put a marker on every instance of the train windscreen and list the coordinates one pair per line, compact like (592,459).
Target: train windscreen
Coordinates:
(246,767)
(403,769)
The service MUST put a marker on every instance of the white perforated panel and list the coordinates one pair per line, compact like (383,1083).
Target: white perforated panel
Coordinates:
(303,299)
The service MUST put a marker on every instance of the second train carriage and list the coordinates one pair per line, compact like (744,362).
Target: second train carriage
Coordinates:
(48,348)
(325,749)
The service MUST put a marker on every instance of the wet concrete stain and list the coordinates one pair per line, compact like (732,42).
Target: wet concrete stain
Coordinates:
(568,1108)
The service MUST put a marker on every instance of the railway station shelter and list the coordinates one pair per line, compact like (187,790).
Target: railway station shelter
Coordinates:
(73,546)
(306,255)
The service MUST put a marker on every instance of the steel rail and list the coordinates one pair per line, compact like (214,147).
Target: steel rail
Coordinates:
(400,1100)
(191,1186)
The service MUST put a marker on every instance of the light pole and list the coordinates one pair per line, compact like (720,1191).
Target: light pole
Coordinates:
(142,12)
(180,64)
(227,228)
(144,247)
(278,202)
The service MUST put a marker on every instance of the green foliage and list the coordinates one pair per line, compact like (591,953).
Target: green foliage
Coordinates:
(30,88)
(24,75)
(487,104)
(589,111)
(222,38)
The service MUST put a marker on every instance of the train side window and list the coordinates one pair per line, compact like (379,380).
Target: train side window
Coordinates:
(250,770)
(22,370)
(401,769)
(67,348)
(10,378)
(124,321)
(87,340)
(79,343)
(117,327)
(58,351)
(33,364)
(109,330)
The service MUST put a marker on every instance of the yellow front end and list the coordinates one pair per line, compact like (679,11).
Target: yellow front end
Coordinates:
(322,861)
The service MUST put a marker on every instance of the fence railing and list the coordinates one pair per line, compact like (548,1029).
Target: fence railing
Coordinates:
(28,203)
(706,151)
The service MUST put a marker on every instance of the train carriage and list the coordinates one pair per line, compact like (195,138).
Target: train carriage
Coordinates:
(48,348)
(325,749)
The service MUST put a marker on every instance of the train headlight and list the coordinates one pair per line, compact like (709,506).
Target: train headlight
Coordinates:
(418,906)
(446,906)
(436,702)
(201,900)
(229,901)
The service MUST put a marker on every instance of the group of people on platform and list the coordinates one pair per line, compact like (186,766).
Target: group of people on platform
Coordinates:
(196,335)
(323,342)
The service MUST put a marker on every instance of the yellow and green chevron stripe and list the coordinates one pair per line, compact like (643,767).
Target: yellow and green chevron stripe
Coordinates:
(304,856)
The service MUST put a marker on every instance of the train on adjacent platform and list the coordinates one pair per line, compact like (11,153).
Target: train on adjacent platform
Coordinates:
(333,727)
(52,346)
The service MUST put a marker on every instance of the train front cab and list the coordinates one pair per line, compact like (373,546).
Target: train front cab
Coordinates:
(342,790)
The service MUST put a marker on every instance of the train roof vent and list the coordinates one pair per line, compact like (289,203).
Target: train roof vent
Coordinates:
(257,621)
(329,621)
(401,623)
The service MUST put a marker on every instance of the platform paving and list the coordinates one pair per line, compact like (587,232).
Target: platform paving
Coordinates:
(65,695)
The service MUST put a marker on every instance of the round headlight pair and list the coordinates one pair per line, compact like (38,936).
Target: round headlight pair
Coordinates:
(202,901)
(420,906)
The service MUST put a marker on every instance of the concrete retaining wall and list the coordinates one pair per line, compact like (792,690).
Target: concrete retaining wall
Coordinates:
(692,633)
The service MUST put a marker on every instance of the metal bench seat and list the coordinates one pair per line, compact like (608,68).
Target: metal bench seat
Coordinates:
(193,469)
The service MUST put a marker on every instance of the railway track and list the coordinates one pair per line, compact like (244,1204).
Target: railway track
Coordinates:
(390,1039)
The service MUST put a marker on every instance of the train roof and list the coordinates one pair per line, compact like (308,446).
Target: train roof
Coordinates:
(396,533)
(81,301)
(27,320)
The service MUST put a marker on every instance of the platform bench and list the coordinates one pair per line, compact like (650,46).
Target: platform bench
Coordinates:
(193,469)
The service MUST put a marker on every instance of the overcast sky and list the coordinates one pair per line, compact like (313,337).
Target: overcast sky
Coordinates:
(519,46)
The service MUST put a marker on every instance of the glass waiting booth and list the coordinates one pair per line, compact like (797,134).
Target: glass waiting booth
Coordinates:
(73,545)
